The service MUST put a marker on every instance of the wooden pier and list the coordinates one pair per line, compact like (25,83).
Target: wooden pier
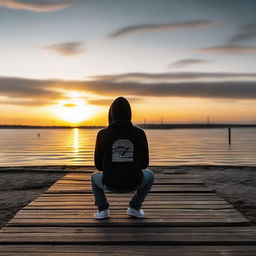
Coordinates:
(183,217)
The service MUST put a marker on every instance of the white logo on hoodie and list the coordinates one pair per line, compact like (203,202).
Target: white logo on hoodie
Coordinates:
(122,151)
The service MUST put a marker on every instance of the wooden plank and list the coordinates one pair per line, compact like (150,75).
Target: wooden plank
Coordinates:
(176,218)
(78,250)
(250,230)
(173,206)
(159,175)
(196,235)
(196,211)
(121,194)
(128,197)
(131,253)
(88,179)
(190,195)
(157,181)
(157,188)
(149,212)
(170,211)
(170,253)
(88,185)
(124,202)
(128,221)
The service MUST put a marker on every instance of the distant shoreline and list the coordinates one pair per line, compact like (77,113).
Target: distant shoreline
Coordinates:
(144,126)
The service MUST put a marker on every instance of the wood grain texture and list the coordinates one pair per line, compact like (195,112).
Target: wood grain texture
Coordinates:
(183,217)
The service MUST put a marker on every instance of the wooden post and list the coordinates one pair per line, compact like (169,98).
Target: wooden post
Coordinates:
(229,136)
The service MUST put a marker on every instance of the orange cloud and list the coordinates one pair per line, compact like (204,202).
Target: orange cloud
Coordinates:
(66,49)
(39,6)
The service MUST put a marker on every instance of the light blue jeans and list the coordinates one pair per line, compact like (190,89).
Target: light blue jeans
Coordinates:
(136,202)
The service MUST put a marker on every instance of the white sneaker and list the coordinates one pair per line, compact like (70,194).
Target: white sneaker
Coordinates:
(136,213)
(102,214)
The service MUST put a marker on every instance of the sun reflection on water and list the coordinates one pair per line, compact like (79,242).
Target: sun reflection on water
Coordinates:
(76,140)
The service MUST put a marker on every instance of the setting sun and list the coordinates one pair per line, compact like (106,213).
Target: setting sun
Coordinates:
(74,110)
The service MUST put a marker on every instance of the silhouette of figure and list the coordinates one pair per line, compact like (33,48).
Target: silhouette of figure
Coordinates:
(121,156)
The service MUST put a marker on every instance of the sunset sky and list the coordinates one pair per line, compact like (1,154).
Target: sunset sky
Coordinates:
(63,62)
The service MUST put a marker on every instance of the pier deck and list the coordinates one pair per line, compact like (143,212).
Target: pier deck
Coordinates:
(183,217)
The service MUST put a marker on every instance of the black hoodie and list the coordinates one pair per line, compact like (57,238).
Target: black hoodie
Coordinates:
(121,150)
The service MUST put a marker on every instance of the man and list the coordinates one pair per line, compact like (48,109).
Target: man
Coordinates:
(121,154)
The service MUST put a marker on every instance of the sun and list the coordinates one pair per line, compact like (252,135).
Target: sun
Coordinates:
(74,110)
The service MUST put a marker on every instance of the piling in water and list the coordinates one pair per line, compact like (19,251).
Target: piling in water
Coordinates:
(229,136)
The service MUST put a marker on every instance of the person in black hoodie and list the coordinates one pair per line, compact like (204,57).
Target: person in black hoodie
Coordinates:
(121,156)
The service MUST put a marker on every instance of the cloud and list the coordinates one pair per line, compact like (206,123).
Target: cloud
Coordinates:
(66,49)
(29,92)
(38,6)
(224,90)
(107,102)
(245,33)
(187,62)
(176,76)
(27,102)
(162,27)
(230,49)
(20,87)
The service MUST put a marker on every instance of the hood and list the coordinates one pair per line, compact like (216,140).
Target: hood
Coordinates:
(120,109)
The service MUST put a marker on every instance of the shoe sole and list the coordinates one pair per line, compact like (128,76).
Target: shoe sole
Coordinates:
(101,218)
(135,216)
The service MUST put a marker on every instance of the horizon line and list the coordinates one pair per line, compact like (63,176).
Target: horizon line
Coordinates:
(148,125)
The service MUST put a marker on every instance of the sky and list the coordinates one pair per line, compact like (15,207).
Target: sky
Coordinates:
(181,61)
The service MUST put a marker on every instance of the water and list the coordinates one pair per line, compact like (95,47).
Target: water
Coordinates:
(19,147)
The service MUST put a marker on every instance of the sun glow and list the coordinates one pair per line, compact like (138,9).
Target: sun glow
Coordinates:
(74,110)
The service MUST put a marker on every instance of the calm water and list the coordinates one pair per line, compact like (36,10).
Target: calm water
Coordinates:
(167,147)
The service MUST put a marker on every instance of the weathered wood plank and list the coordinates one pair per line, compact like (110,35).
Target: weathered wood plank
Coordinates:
(250,230)
(101,235)
(121,194)
(127,198)
(157,188)
(155,210)
(149,212)
(157,175)
(151,202)
(163,207)
(157,181)
(84,250)
(214,253)
(126,220)
(153,216)
(160,195)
